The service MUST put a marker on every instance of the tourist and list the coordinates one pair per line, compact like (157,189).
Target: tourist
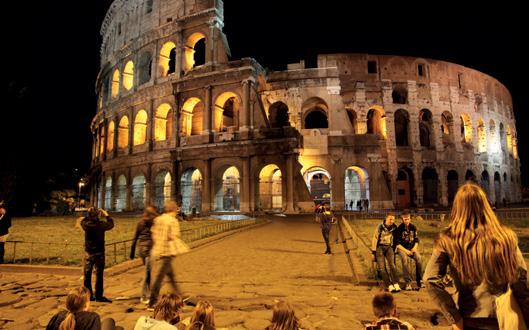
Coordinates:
(143,235)
(283,317)
(166,246)
(77,315)
(326,221)
(407,247)
(95,228)
(367,205)
(5,224)
(166,315)
(203,317)
(382,250)
(385,310)
(359,205)
(351,205)
(484,260)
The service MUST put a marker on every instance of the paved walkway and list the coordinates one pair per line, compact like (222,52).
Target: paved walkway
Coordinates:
(240,275)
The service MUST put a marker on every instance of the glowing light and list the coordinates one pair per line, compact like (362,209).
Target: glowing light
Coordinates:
(140,128)
(128,76)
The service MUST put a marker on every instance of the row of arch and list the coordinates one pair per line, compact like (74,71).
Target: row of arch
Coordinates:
(130,75)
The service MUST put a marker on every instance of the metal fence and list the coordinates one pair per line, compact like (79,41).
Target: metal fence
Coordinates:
(72,254)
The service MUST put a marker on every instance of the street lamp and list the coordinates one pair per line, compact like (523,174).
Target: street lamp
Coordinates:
(81,184)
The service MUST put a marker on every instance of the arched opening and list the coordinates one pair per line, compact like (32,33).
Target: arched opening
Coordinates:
(503,143)
(485,182)
(162,189)
(102,140)
(111,132)
(121,198)
(192,117)
(195,51)
(123,133)
(140,128)
(356,189)
(399,95)
(452,184)
(270,188)
(426,128)
(278,115)
(128,76)
(227,106)
(115,84)
(108,193)
(318,182)
(447,128)
(466,129)
(191,190)
(429,184)
(163,122)
(402,120)
(227,196)
(509,140)
(145,69)
(405,188)
(469,176)
(167,60)
(315,113)
(506,190)
(376,122)
(482,137)
(138,193)
(497,187)
(351,115)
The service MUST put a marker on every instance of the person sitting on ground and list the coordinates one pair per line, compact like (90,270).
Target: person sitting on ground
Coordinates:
(203,317)
(407,247)
(382,249)
(385,310)
(77,315)
(166,315)
(283,317)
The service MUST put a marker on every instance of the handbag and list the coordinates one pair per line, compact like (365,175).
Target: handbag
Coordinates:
(508,312)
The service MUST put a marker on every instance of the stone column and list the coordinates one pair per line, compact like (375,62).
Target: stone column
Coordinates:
(208,117)
(113,192)
(244,114)
(290,184)
(150,126)
(148,186)
(128,205)
(245,191)
(116,135)
(442,185)
(131,130)
(207,185)
(180,47)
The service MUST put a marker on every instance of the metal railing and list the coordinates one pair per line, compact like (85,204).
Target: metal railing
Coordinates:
(66,253)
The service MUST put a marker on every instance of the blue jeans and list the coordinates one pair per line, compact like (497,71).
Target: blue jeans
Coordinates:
(406,259)
(385,252)
(146,292)
(165,267)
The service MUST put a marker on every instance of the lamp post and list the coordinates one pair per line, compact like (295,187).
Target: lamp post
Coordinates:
(81,184)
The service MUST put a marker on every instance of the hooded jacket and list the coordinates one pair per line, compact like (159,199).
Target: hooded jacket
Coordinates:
(147,323)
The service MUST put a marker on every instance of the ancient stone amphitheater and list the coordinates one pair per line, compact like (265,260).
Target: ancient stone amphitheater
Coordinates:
(179,119)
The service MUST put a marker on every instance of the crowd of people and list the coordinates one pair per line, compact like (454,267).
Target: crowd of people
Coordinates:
(478,255)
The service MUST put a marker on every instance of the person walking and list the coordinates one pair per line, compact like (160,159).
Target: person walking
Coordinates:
(326,221)
(95,229)
(5,224)
(483,258)
(144,237)
(166,246)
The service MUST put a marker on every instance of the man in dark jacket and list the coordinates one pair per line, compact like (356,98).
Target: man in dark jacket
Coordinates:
(95,250)
(407,246)
(144,236)
(326,221)
(5,224)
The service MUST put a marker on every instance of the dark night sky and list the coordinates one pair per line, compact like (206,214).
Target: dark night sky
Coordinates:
(55,50)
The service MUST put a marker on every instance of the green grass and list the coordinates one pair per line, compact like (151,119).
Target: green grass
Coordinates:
(428,231)
(67,239)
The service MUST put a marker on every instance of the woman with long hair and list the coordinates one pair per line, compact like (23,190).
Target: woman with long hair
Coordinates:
(284,317)
(483,259)
(203,317)
(77,315)
(166,314)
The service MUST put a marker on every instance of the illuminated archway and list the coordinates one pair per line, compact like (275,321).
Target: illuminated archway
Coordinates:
(163,122)
(351,115)
(376,122)
(493,136)
(227,192)
(190,54)
(121,198)
(123,133)
(191,190)
(140,128)
(128,76)
(466,128)
(167,60)
(138,193)
(192,117)
(482,137)
(226,113)
(102,140)
(447,127)
(111,132)
(270,188)
(108,193)
(356,188)
(162,189)
(115,84)
(318,182)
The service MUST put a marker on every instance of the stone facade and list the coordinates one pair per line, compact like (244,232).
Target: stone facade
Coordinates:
(178,120)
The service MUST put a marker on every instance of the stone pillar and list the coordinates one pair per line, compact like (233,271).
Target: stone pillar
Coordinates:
(290,185)
(417,174)
(245,191)
(442,185)
(113,192)
(131,130)
(244,114)
(337,186)
(150,126)
(128,205)
(116,135)
(180,47)
(208,118)
(207,185)
(148,186)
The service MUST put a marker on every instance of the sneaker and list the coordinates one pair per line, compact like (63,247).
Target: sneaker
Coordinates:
(397,287)
(408,287)
(103,300)
(391,288)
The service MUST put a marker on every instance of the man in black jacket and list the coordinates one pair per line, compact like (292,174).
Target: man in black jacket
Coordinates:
(5,223)
(95,250)
(407,246)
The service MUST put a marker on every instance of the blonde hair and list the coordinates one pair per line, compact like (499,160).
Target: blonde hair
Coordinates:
(75,301)
(284,317)
(480,248)
(168,308)
(171,206)
(203,316)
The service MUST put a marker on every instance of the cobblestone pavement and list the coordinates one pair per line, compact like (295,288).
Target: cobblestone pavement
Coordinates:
(240,275)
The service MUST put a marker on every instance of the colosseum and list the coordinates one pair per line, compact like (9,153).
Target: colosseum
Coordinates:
(179,119)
